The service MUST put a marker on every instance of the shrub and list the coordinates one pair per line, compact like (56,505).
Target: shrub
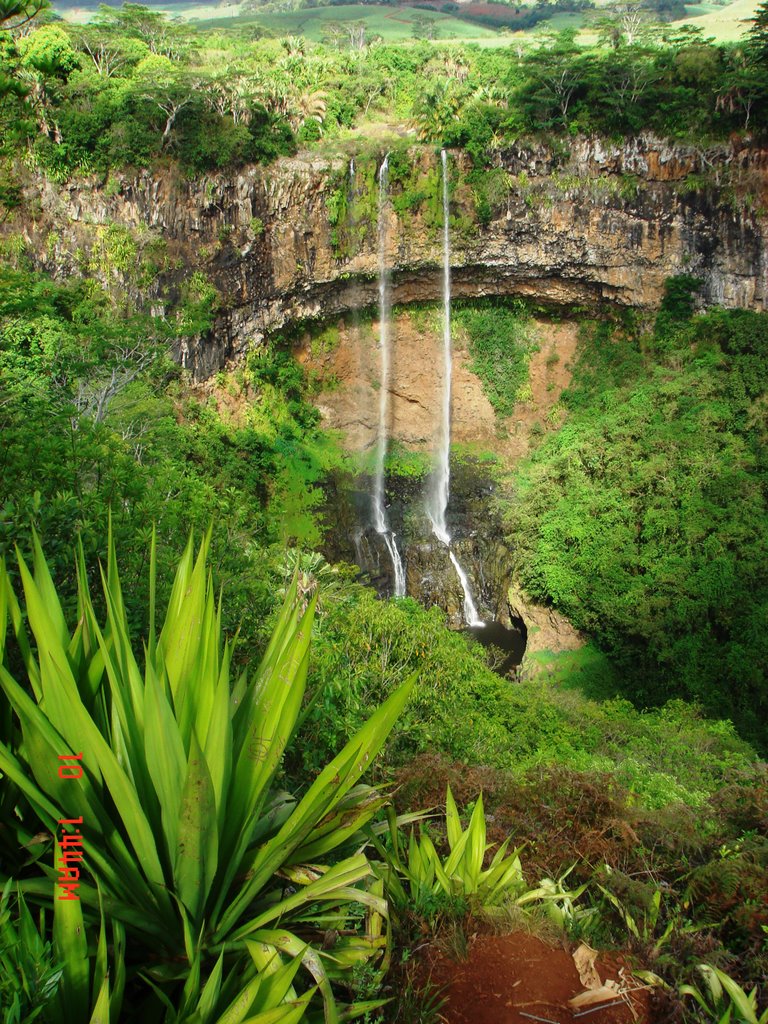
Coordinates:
(184,830)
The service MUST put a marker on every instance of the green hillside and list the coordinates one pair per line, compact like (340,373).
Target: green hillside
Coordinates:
(725,23)
(390,23)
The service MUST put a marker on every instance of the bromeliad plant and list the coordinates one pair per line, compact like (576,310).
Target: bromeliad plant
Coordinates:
(209,869)
(416,874)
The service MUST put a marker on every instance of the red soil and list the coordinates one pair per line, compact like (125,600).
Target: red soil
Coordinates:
(508,976)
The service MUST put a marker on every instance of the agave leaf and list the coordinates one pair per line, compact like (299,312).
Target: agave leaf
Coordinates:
(100,1013)
(331,785)
(277,811)
(442,876)
(277,977)
(237,1011)
(118,974)
(349,952)
(165,757)
(197,850)
(288,943)
(452,819)
(152,638)
(71,949)
(127,685)
(44,587)
(355,1010)
(327,886)
(100,963)
(288,1013)
(746,1005)
(217,745)
(17,621)
(209,997)
(179,638)
(456,855)
(476,847)
(345,821)
(277,706)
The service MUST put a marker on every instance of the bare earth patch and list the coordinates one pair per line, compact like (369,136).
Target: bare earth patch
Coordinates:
(519,979)
(349,402)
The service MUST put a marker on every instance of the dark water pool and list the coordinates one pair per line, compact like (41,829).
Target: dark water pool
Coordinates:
(510,643)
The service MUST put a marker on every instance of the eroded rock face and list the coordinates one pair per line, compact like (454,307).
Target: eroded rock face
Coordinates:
(602,222)
(547,629)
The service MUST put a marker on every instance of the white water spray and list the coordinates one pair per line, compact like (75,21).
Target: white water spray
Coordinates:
(380,523)
(437,502)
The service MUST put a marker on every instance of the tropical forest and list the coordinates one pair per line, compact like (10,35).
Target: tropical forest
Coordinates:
(384,512)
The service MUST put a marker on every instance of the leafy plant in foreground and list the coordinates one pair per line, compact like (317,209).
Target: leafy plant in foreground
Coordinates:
(723,999)
(187,843)
(417,874)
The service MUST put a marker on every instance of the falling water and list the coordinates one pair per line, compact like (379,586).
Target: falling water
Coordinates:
(437,502)
(379,513)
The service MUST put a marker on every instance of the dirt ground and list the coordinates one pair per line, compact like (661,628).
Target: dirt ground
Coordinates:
(520,979)
(351,404)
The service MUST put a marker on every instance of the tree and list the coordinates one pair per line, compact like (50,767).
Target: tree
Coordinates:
(15,13)
(47,57)
(356,34)
(162,82)
(757,37)
(164,37)
(423,26)
(742,86)
(308,106)
(554,78)
(436,107)
(110,52)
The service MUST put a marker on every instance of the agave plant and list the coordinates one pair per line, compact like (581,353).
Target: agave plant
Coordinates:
(418,873)
(212,872)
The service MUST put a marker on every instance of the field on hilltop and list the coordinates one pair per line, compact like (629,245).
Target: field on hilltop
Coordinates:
(391,23)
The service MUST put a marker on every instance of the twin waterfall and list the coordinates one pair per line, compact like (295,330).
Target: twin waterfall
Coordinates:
(437,500)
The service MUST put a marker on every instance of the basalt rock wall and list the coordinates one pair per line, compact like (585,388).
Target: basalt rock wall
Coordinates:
(593,223)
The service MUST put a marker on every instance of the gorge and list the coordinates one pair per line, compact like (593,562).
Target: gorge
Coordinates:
(306,241)
(383,512)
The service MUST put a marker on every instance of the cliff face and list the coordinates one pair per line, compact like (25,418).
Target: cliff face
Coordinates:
(599,222)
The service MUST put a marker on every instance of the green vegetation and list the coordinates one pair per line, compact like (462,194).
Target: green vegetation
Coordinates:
(500,343)
(153,449)
(133,89)
(419,878)
(169,769)
(644,517)
(250,761)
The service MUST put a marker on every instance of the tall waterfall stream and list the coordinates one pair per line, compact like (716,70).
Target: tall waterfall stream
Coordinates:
(437,501)
(380,523)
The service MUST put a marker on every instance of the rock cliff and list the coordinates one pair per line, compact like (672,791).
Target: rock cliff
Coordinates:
(596,222)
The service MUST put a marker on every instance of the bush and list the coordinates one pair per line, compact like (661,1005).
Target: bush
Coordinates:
(171,771)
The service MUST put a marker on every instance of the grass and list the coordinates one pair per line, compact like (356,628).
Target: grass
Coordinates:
(726,24)
(586,669)
(391,24)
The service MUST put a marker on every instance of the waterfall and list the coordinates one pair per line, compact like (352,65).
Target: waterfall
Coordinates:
(380,523)
(437,501)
